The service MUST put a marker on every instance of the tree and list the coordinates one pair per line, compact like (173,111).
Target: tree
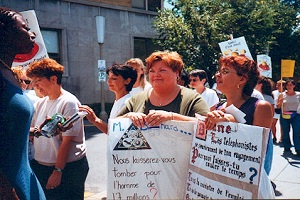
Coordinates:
(194,28)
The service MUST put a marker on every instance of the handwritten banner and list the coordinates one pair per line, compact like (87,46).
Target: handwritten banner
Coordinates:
(151,163)
(227,162)
(287,68)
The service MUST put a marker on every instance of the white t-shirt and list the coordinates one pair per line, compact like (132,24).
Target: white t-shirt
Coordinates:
(118,105)
(210,96)
(275,95)
(46,149)
(257,94)
(140,89)
(291,103)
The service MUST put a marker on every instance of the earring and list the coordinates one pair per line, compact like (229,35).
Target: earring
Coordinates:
(238,86)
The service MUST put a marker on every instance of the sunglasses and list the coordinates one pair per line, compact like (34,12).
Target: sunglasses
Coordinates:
(193,80)
(27,82)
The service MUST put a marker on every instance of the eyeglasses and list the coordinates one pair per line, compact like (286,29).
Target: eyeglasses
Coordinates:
(224,71)
(27,82)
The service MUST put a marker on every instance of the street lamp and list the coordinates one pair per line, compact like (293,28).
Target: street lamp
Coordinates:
(100,26)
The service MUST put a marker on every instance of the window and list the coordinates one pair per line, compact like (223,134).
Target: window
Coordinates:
(52,41)
(151,5)
(143,47)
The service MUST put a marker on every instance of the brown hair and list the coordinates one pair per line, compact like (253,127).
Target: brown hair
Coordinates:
(46,67)
(171,59)
(244,67)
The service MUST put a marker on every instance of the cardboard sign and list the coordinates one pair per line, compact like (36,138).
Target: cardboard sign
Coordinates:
(287,68)
(237,46)
(39,50)
(264,65)
(228,162)
(151,163)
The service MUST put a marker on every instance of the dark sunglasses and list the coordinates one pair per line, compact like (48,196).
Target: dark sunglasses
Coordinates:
(27,82)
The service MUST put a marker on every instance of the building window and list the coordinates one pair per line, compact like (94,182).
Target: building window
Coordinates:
(143,47)
(152,5)
(52,41)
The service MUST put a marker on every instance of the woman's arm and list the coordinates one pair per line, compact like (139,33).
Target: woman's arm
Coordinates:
(263,114)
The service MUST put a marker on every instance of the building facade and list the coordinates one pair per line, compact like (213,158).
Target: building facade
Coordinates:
(69,32)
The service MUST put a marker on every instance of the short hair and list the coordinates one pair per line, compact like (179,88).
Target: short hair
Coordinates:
(244,67)
(199,73)
(7,22)
(46,67)
(171,59)
(267,85)
(125,71)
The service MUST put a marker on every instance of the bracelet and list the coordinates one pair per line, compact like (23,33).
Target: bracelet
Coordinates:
(58,169)
(172,115)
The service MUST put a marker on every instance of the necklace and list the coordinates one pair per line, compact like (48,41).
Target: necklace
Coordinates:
(165,102)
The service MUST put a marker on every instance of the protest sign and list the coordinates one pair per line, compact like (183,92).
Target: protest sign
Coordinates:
(264,65)
(237,46)
(148,163)
(287,68)
(39,50)
(228,163)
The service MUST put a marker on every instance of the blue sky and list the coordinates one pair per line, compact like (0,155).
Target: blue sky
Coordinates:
(166,5)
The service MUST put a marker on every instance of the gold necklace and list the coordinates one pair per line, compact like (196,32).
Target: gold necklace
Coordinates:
(167,100)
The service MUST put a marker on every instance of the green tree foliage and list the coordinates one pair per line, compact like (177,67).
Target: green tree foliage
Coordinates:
(194,28)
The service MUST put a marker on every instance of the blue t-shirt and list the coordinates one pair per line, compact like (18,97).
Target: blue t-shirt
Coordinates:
(16,112)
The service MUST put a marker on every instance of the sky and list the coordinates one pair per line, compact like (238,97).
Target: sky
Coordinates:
(167,5)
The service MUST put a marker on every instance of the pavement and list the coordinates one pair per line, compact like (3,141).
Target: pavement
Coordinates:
(285,174)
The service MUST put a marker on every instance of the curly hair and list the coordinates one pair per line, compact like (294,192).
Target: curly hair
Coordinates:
(46,67)
(171,59)
(7,22)
(244,67)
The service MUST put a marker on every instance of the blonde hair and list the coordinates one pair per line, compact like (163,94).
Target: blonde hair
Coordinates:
(138,62)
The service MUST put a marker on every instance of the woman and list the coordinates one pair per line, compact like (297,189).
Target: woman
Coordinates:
(265,86)
(15,112)
(120,80)
(198,79)
(289,101)
(141,83)
(59,162)
(236,79)
(280,85)
(166,100)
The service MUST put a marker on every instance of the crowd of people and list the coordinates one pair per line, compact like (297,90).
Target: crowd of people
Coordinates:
(147,94)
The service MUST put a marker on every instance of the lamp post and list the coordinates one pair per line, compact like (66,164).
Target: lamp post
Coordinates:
(100,26)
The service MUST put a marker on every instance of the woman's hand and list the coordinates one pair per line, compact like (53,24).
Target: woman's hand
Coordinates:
(156,117)
(54,180)
(136,118)
(91,116)
(216,116)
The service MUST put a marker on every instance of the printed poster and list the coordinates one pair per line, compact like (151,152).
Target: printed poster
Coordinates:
(148,163)
(39,50)
(237,46)
(264,65)
(227,163)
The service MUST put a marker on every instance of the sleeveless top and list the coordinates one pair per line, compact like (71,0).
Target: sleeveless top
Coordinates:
(16,112)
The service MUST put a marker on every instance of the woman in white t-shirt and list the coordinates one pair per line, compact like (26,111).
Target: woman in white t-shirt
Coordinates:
(198,79)
(120,80)
(141,83)
(289,101)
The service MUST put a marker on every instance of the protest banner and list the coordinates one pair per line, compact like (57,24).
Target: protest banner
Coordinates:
(287,68)
(237,46)
(264,65)
(227,163)
(39,50)
(148,163)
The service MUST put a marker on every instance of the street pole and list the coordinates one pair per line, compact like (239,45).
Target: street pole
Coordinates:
(100,26)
